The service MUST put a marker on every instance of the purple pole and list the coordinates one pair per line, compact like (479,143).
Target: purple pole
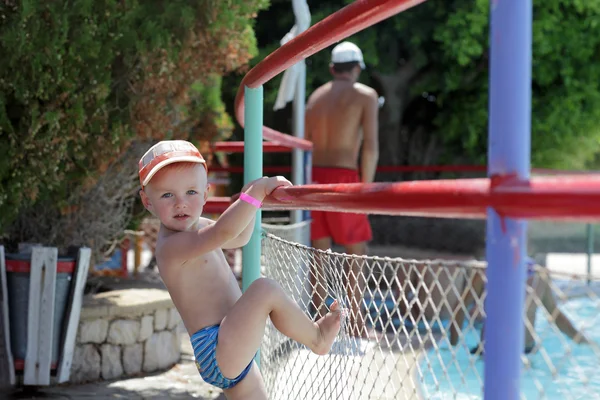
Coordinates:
(508,154)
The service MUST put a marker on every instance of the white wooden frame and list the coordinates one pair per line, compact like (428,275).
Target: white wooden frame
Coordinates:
(40,317)
(7,368)
(73,313)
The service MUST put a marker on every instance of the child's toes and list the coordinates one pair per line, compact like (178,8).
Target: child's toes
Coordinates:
(334,306)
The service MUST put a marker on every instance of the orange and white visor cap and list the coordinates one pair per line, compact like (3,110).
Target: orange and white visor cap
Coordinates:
(165,153)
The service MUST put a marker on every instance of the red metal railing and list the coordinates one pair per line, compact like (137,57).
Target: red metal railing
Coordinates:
(238,147)
(347,21)
(574,197)
(282,169)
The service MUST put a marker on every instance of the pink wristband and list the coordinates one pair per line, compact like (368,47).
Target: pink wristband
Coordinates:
(250,200)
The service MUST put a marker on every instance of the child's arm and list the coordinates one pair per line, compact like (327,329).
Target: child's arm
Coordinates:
(182,246)
(243,238)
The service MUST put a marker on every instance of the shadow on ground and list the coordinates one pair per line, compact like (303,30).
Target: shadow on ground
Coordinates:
(180,382)
(177,383)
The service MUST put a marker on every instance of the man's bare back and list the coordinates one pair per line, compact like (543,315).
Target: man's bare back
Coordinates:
(341,121)
(335,114)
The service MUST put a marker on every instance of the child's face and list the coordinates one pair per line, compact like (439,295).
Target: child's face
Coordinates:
(176,195)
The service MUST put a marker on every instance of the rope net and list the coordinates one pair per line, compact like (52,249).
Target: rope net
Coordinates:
(418,332)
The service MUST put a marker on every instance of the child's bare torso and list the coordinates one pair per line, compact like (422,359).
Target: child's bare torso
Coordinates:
(203,289)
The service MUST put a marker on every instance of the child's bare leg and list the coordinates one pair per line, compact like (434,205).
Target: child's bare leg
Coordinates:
(252,387)
(243,328)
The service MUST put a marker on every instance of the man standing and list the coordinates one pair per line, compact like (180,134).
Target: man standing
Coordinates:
(340,116)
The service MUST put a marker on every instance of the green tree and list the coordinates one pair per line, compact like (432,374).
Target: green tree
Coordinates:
(431,65)
(81,82)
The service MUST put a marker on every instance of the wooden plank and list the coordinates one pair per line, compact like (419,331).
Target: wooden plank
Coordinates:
(7,369)
(46,332)
(73,313)
(40,317)
(33,315)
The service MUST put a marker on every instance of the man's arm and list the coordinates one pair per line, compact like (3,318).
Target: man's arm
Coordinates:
(308,119)
(370,146)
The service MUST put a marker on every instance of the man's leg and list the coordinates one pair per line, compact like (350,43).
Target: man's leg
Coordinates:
(562,321)
(318,278)
(535,290)
(355,287)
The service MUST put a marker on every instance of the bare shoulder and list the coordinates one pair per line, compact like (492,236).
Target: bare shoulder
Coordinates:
(317,93)
(365,91)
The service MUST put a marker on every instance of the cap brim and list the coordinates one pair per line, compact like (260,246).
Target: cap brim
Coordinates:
(168,161)
(360,63)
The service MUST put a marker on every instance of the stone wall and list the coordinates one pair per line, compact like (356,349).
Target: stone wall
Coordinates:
(124,333)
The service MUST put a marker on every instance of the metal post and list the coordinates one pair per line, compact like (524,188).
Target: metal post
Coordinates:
(508,154)
(253,169)
(590,250)
(302,22)
(298,129)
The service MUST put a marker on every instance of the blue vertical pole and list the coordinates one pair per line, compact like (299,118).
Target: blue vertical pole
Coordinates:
(253,169)
(508,153)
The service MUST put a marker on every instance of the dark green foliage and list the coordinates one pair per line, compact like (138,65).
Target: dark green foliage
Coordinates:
(81,80)
(431,64)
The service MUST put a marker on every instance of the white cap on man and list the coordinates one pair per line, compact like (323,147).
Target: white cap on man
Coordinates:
(347,52)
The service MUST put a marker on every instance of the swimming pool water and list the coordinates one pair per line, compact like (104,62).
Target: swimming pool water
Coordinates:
(576,375)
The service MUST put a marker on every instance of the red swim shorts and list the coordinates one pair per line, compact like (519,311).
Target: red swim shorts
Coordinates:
(343,228)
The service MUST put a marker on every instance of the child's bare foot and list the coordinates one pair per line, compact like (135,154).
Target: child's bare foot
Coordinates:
(329,327)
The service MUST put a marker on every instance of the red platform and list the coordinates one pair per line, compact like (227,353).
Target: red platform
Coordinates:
(238,147)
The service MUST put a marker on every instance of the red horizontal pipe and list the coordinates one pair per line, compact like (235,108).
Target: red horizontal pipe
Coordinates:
(408,168)
(464,168)
(267,170)
(343,23)
(353,18)
(238,147)
(573,198)
(216,205)
(432,168)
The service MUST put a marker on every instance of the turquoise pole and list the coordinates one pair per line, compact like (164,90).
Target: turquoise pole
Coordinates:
(253,169)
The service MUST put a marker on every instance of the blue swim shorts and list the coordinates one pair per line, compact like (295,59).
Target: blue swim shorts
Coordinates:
(204,343)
